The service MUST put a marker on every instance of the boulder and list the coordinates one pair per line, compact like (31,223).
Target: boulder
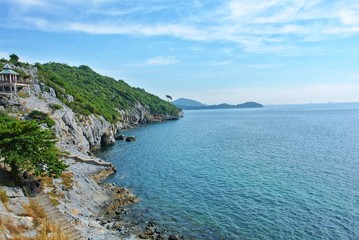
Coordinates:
(130,139)
(143,236)
(120,137)
(173,237)
(107,139)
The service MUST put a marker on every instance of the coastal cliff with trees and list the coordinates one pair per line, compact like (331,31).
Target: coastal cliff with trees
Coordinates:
(50,130)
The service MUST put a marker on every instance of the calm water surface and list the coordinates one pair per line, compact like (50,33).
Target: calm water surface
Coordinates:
(283,172)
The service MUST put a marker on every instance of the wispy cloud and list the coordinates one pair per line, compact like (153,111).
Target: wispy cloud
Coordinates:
(257,26)
(348,17)
(218,63)
(263,66)
(159,60)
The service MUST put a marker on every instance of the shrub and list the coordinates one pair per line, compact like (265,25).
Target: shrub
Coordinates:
(26,147)
(55,106)
(42,117)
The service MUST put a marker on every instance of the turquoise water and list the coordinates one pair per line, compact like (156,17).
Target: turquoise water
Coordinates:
(283,172)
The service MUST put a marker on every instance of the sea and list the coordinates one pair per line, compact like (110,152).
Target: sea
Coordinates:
(278,172)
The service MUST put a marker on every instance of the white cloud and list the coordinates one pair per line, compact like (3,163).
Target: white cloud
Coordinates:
(219,63)
(160,60)
(257,26)
(264,66)
(349,17)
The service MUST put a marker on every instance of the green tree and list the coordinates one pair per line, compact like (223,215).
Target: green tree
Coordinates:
(14,58)
(24,146)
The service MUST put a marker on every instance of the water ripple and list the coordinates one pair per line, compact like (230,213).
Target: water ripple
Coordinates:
(273,173)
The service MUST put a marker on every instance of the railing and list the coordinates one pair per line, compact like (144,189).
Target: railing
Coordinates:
(13,82)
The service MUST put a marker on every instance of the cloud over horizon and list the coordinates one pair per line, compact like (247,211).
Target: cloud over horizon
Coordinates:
(168,46)
(257,26)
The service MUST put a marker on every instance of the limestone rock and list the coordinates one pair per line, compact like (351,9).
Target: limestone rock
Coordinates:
(107,138)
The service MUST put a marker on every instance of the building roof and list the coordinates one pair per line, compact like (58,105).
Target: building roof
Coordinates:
(7,66)
(7,70)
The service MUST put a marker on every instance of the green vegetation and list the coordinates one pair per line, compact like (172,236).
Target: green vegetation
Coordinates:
(97,94)
(55,106)
(26,147)
(41,117)
(14,58)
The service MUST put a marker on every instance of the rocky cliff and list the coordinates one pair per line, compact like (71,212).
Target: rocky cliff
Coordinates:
(86,132)
(93,209)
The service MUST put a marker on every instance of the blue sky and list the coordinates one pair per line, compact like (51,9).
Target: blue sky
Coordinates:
(214,51)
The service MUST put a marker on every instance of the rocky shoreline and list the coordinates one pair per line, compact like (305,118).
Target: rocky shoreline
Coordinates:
(103,210)
(99,211)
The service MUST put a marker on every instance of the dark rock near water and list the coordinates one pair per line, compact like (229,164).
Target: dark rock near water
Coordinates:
(120,137)
(107,139)
(130,139)
(173,237)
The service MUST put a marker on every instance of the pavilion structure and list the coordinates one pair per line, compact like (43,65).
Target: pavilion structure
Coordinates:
(9,80)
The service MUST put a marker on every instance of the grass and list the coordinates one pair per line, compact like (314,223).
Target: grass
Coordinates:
(47,231)
(55,196)
(8,223)
(46,181)
(67,180)
(50,231)
(4,198)
(35,211)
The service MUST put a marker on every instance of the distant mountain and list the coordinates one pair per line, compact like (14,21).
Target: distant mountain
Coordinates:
(185,103)
(189,104)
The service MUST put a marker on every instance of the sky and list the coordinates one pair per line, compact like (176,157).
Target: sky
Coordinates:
(213,51)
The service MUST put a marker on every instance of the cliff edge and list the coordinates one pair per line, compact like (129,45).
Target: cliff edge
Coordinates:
(59,91)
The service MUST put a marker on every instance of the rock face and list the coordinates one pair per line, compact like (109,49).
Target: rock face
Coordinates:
(86,132)
(85,200)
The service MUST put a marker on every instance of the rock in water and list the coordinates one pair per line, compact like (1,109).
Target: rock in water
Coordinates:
(107,139)
(120,137)
(131,139)
(172,237)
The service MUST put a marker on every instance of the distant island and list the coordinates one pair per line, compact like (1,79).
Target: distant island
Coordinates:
(189,104)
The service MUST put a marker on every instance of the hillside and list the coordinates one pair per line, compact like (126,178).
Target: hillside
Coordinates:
(185,102)
(87,92)
(189,104)
(82,111)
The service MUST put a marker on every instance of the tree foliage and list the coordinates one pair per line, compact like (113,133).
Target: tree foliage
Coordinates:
(24,146)
(14,58)
(97,94)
